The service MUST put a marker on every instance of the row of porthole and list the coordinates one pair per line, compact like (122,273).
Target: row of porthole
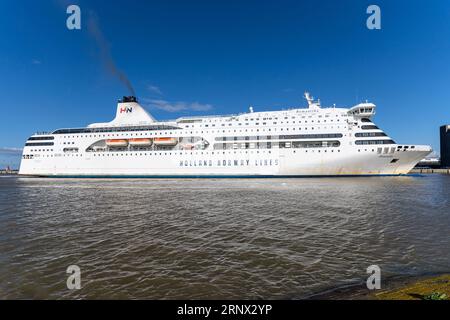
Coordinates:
(191,132)
(257,123)
(281,129)
(151,154)
(107,154)
(276,118)
(181,153)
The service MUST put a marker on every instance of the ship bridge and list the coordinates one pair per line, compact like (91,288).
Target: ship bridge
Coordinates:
(363,110)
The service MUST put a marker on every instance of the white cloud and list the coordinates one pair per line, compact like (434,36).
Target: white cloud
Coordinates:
(177,106)
(36,61)
(10,150)
(154,89)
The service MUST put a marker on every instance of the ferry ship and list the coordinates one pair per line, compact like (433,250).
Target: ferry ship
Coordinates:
(311,141)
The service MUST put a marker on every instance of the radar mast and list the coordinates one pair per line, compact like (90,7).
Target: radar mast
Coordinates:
(311,103)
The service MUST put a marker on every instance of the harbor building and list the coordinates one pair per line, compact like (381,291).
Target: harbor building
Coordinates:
(445,146)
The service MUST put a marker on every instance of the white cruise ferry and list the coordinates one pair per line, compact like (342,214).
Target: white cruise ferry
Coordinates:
(312,141)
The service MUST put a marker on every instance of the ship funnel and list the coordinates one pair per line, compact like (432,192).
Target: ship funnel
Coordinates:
(128,99)
(129,113)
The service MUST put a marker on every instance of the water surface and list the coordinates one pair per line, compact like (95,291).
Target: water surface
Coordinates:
(217,238)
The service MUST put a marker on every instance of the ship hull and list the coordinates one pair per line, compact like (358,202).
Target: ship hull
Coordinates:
(273,163)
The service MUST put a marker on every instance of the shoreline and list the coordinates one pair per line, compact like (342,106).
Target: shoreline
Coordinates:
(402,287)
(429,171)
(9,172)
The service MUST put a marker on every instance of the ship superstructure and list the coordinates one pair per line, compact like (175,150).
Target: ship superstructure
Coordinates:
(312,141)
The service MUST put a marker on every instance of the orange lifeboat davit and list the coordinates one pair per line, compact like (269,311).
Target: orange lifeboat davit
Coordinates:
(140,142)
(117,142)
(165,141)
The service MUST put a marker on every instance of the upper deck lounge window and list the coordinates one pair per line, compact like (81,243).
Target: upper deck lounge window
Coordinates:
(370,134)
(368,127)
(38,144)
(41,138)
(360,142)
(294,136)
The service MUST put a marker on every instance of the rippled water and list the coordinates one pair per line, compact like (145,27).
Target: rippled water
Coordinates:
(217,238)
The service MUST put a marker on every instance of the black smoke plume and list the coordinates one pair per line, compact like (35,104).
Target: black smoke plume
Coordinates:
(105,52)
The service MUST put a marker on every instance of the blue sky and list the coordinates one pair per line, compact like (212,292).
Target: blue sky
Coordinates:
(219,57)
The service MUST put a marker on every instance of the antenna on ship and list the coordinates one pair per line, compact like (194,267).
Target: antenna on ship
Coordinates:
(250,109)
(311,103)
(309,98)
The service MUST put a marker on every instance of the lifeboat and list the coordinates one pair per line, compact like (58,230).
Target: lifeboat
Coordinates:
(165,141)
(188,147)
(140,142)
(117,142)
